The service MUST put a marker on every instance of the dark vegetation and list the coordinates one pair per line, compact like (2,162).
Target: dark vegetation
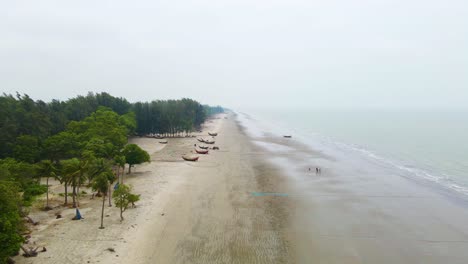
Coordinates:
(81,141)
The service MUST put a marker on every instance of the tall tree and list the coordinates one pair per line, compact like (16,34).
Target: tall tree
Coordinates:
(101,184)
(75,172)
(46,169)
(135,155)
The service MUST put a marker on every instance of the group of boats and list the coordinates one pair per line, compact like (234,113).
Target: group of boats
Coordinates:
(201,149)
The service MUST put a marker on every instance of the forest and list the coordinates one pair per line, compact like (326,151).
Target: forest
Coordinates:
(80,141)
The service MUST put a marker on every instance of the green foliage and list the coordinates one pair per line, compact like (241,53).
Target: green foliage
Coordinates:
(46,168)
(212,110)
(21,116)
(26,148)
(23,173)
(101,182)
(61,146)
(168,117)
(102,134)
(31,191)
(24,121)
(135,155)
(120,160)
(121,196)
(10,220)
(98,166)
(129,121)
(133,198)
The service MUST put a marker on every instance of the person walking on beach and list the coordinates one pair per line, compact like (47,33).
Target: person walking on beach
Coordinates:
(316,170)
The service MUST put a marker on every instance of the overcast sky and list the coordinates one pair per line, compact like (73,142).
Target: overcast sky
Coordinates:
(240,53)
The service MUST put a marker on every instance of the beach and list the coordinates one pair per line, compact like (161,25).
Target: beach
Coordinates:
(200,212)
(255,201)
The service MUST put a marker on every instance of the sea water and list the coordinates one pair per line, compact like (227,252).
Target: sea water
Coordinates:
(426,144)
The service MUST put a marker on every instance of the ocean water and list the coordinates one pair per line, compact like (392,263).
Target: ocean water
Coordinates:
(430,145)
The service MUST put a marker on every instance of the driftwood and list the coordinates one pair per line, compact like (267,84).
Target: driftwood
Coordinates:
(30,220)
(32,252)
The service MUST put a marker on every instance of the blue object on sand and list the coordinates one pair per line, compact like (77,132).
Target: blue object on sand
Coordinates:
(116,186)
(78,215)
(269,194)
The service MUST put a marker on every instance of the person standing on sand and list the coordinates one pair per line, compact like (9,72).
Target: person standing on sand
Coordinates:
(316,170)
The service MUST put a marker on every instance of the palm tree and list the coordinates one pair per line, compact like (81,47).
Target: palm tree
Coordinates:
(74,171)
(101,184)
(47,169)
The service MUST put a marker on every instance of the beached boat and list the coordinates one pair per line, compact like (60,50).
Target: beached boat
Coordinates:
(201,140)
(163,142)
(212,134)
(190,158)
(287,136)
(201,151)
(203,147)
(209,142)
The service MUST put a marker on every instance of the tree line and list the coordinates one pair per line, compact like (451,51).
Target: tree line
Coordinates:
(25,123)
(80,142)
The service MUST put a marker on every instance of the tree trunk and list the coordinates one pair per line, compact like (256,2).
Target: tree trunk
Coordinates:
(129,168)
(77,197)
(123,174)
(110,193)
(102,212)
(121,208)
(47,199)
(74,193)
(117,173)
(66,193)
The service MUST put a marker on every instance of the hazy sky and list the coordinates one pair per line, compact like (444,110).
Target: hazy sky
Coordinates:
(240,53)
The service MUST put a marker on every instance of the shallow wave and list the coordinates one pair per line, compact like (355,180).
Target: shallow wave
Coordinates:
(258,128)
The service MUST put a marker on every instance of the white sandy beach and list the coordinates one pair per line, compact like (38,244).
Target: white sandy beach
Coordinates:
(205,212)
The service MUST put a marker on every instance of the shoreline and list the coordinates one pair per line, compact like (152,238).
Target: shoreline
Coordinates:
(254,201)
(351,213)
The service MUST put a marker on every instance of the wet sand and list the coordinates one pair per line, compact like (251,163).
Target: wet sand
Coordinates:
(352,213)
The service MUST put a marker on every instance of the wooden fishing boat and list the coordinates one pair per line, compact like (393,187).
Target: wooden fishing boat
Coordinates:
(163,142)
(201,140)
(209,142)
(201,151)
(212,134)
(190,158)
(203,147)
(287,136)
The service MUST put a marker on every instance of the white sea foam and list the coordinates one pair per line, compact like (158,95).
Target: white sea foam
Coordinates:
(273,147)
(343,152)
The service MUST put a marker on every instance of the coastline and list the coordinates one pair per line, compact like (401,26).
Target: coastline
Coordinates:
(255,201)
(353,213)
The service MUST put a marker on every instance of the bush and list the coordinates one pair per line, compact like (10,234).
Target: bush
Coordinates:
(10,220)
(34,189)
